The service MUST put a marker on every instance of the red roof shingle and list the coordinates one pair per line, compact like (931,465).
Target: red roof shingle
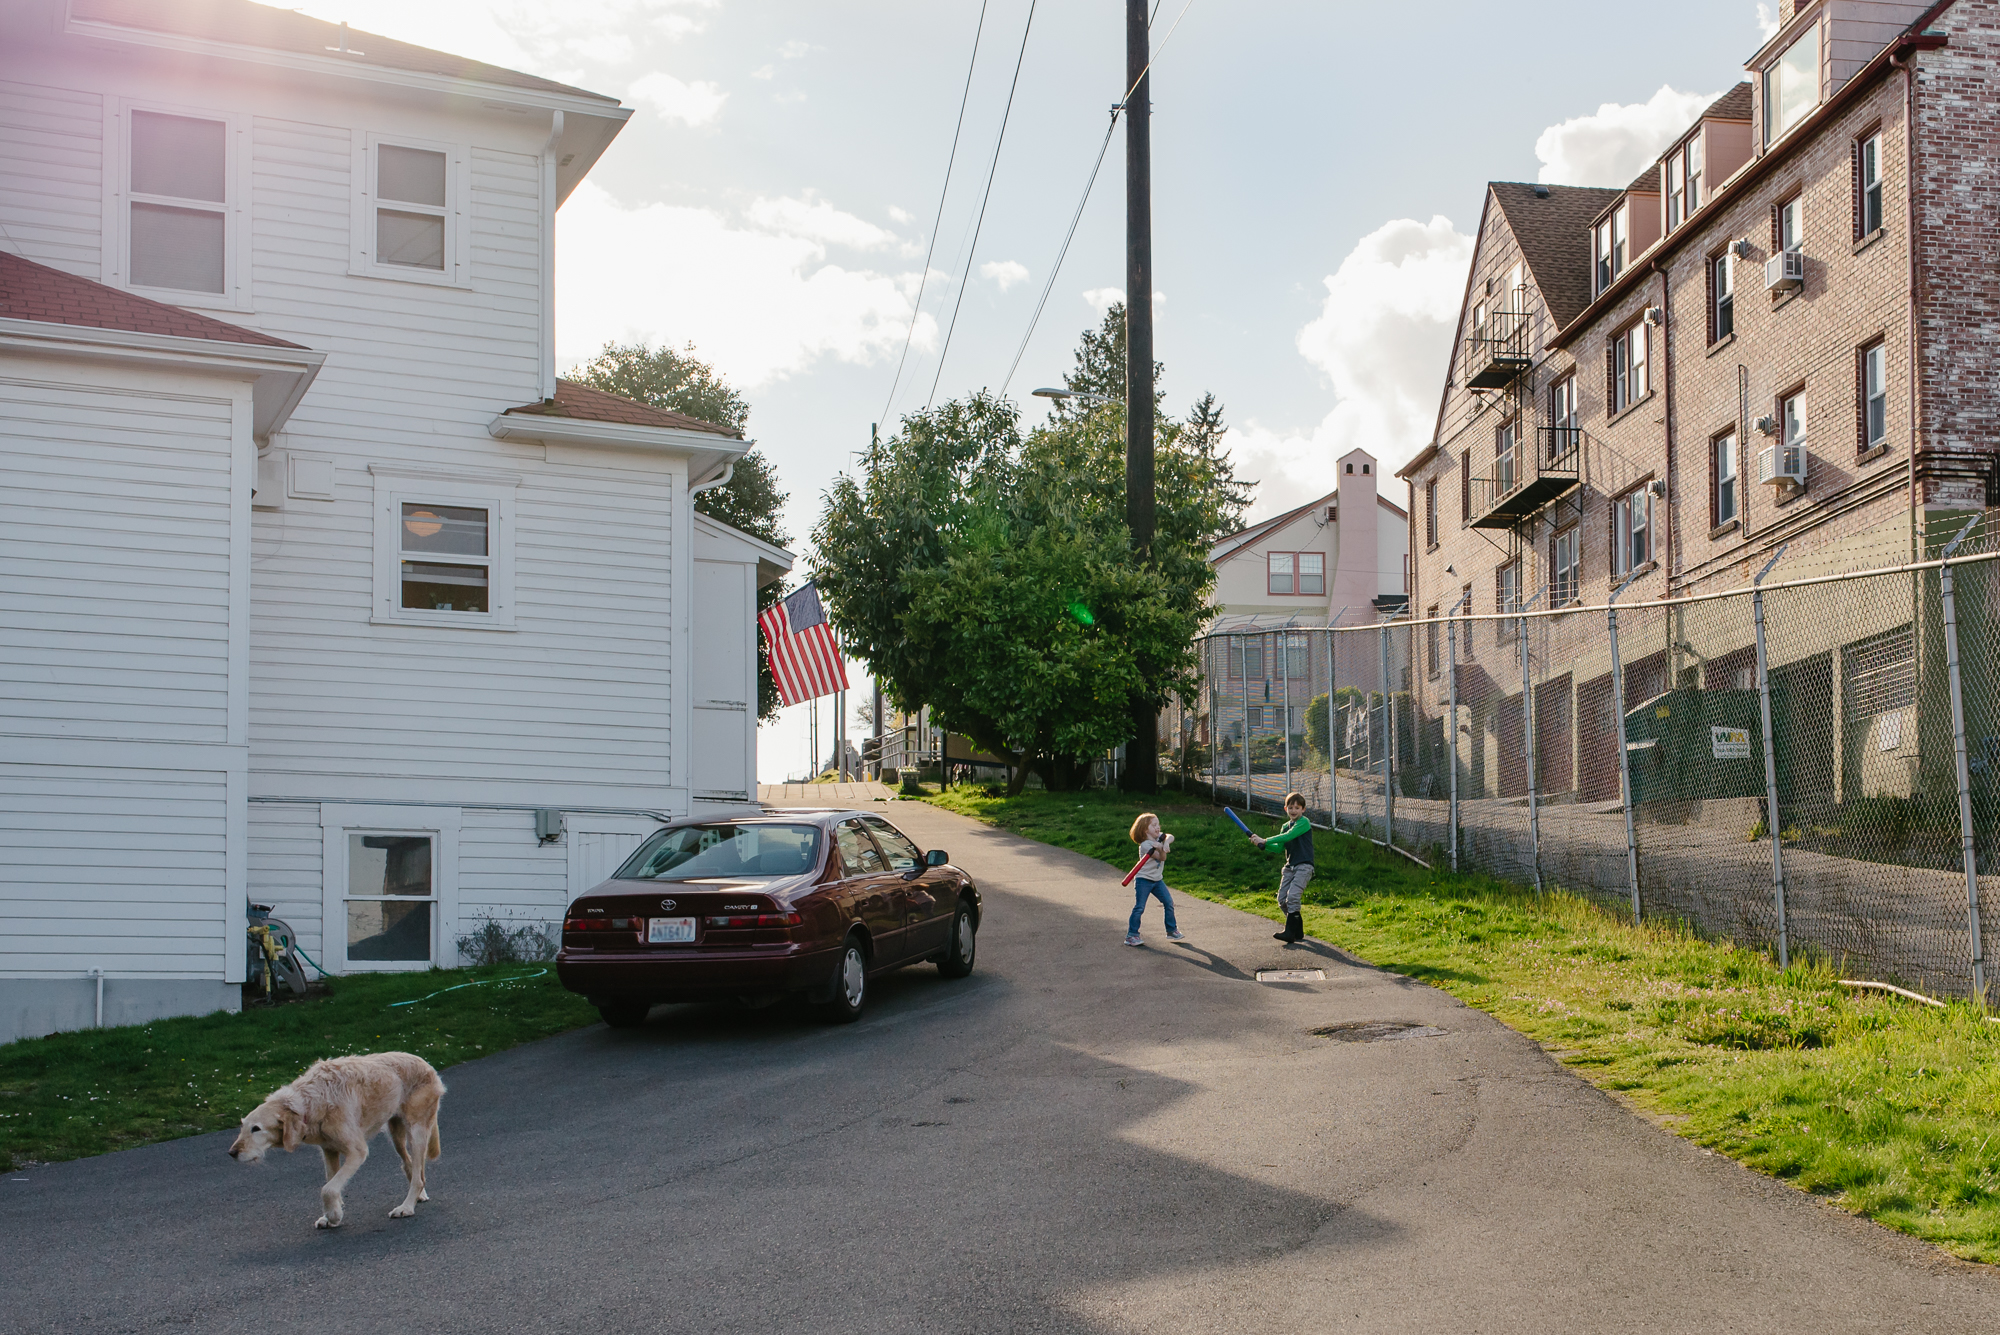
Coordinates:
(30,291)
(585,404)
(242,23)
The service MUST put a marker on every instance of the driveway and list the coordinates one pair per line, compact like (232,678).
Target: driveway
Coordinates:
(1079,1137)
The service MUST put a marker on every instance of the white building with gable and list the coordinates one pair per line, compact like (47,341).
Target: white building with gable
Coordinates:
(317,586)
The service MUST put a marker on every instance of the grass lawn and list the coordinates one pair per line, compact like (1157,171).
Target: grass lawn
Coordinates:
(68,1095)
(1887,1108)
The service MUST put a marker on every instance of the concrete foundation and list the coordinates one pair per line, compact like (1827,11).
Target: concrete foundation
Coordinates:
(31,1007)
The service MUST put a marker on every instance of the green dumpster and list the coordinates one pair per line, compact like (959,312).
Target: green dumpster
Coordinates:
(1688,745)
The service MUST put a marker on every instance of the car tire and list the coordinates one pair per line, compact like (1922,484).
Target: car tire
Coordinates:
(624,1013)
(850,983)
(957,961)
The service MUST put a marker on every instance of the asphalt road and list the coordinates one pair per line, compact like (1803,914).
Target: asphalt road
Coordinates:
(1079,1137)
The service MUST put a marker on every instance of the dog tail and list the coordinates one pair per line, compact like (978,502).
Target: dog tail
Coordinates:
(436,1144)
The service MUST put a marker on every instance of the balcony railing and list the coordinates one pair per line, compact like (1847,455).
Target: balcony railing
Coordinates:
(1498,351)
(1527,480)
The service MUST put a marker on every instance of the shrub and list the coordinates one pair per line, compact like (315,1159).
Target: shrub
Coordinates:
(492,943)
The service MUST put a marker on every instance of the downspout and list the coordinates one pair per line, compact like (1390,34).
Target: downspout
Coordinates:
(1902,61)
(549,152)
(728,471)
(1672,564)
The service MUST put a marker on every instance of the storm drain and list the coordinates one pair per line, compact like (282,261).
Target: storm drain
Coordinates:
(1291,975)
(1376,1031)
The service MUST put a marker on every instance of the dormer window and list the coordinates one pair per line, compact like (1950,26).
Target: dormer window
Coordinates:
(1791,86)
(1610,247)
(1676,190)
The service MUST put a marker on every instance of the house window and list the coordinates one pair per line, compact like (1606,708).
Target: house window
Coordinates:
(409,206)
(1295,656)
(391,898)
(1722,297)
(1792,412)
(1278,578)
(1465,611)
(1631,531)
(1610,242)
(1507,587)
(1868,168)
(1253,715)
(1791,87)
(1431,640)
(1789,232)
(1695,174)
(1431,513)
(1677,209)
(443,551)
(178,221)
(1465,487)
(1312,574)
(1600,257)
(1505,463)
(1874,396)
(445,558)
(1723,499)
(1562,567)
(1253,658)
(1628,367)
(409,213)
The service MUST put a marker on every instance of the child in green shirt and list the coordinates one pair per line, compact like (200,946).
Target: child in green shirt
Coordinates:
(1297,840)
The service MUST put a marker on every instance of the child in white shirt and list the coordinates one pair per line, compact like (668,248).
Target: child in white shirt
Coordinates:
(1152,878)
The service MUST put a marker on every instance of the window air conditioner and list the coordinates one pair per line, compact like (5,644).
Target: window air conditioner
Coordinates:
(1783,464)
(1784,271)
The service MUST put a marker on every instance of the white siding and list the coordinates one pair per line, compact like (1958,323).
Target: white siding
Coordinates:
(505,875)
(114,561)
(52,176)
(285,856)
(112,868)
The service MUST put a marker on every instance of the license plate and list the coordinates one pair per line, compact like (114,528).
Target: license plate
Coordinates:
(662,931)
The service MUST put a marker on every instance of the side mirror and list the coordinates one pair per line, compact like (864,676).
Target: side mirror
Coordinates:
(937,857)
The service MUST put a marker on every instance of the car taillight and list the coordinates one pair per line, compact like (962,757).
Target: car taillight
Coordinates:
(758,920)
(603,924)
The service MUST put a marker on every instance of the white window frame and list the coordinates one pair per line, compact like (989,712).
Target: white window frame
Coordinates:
(457,271)
(1563,582)
(1697,168)
(1727,471)
(1871,184)
(1725,295)
(1677,209)
(1630,352)
(490,491)
(1635,504)
(338,820)
(1874,391)
(118,200)
(1300,574)
(1792,225)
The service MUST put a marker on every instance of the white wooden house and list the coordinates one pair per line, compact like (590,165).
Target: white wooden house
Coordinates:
(317,586)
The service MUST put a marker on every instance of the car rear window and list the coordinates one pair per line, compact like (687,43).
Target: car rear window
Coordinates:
(724,850)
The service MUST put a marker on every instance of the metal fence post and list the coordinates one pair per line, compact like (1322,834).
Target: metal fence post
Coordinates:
(1624,757)
(1285,677)
(1947,594)
(1332,754)
(1388,747)
(1451,723)
(1528,745)
(1243,747)
(1770,765)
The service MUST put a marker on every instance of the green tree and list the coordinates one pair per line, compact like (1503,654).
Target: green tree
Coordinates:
(991,576)
(751,500)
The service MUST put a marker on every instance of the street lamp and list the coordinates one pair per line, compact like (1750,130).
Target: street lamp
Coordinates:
(1087,399)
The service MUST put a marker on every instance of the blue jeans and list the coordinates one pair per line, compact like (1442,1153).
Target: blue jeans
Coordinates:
(1147,889)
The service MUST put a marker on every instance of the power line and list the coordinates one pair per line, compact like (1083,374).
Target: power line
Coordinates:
(917,307)
(1063,253)
(991,171)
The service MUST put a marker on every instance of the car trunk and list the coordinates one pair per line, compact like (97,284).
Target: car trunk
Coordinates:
(679,916)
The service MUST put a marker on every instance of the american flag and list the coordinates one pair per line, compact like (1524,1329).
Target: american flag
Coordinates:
(805,660)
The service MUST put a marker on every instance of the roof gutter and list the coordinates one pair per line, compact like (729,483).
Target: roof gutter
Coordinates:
(1913,38)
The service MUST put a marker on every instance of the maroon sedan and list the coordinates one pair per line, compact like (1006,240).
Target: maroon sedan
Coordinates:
(811,903)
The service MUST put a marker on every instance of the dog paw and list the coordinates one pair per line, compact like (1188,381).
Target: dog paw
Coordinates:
(423,1196)
(324,1222)
(402,1212)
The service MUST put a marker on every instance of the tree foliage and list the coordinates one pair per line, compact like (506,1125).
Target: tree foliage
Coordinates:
(751,500)
(991,577)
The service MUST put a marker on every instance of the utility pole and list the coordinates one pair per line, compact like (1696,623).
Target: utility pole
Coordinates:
(1142,753)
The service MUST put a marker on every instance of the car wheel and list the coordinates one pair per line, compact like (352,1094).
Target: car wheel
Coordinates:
(850,983)
(624,1013)
(964,945)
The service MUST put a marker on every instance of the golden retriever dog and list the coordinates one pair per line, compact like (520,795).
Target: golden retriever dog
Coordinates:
(340,1104)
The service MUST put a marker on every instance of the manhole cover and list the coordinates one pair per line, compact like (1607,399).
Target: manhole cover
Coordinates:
(1376,1031)
(1291,975)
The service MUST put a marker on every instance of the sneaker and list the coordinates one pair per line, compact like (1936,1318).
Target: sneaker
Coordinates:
(1176,936)
(1133,940)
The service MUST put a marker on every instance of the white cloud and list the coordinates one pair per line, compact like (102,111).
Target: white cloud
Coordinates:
(1102,299)
(761,305)
(553,38)
(1613,144)
(1382,338)
(1004,272)
(763,72)
(817,220)
(900,215)
(692,103)
(1767,22)
(793,50)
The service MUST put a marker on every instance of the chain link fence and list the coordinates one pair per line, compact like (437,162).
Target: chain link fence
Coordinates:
(1637,754)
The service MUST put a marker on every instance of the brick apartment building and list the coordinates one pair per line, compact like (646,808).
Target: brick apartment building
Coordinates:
(1781,334)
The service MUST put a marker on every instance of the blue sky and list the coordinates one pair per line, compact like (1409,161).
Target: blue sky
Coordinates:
(1317,167)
